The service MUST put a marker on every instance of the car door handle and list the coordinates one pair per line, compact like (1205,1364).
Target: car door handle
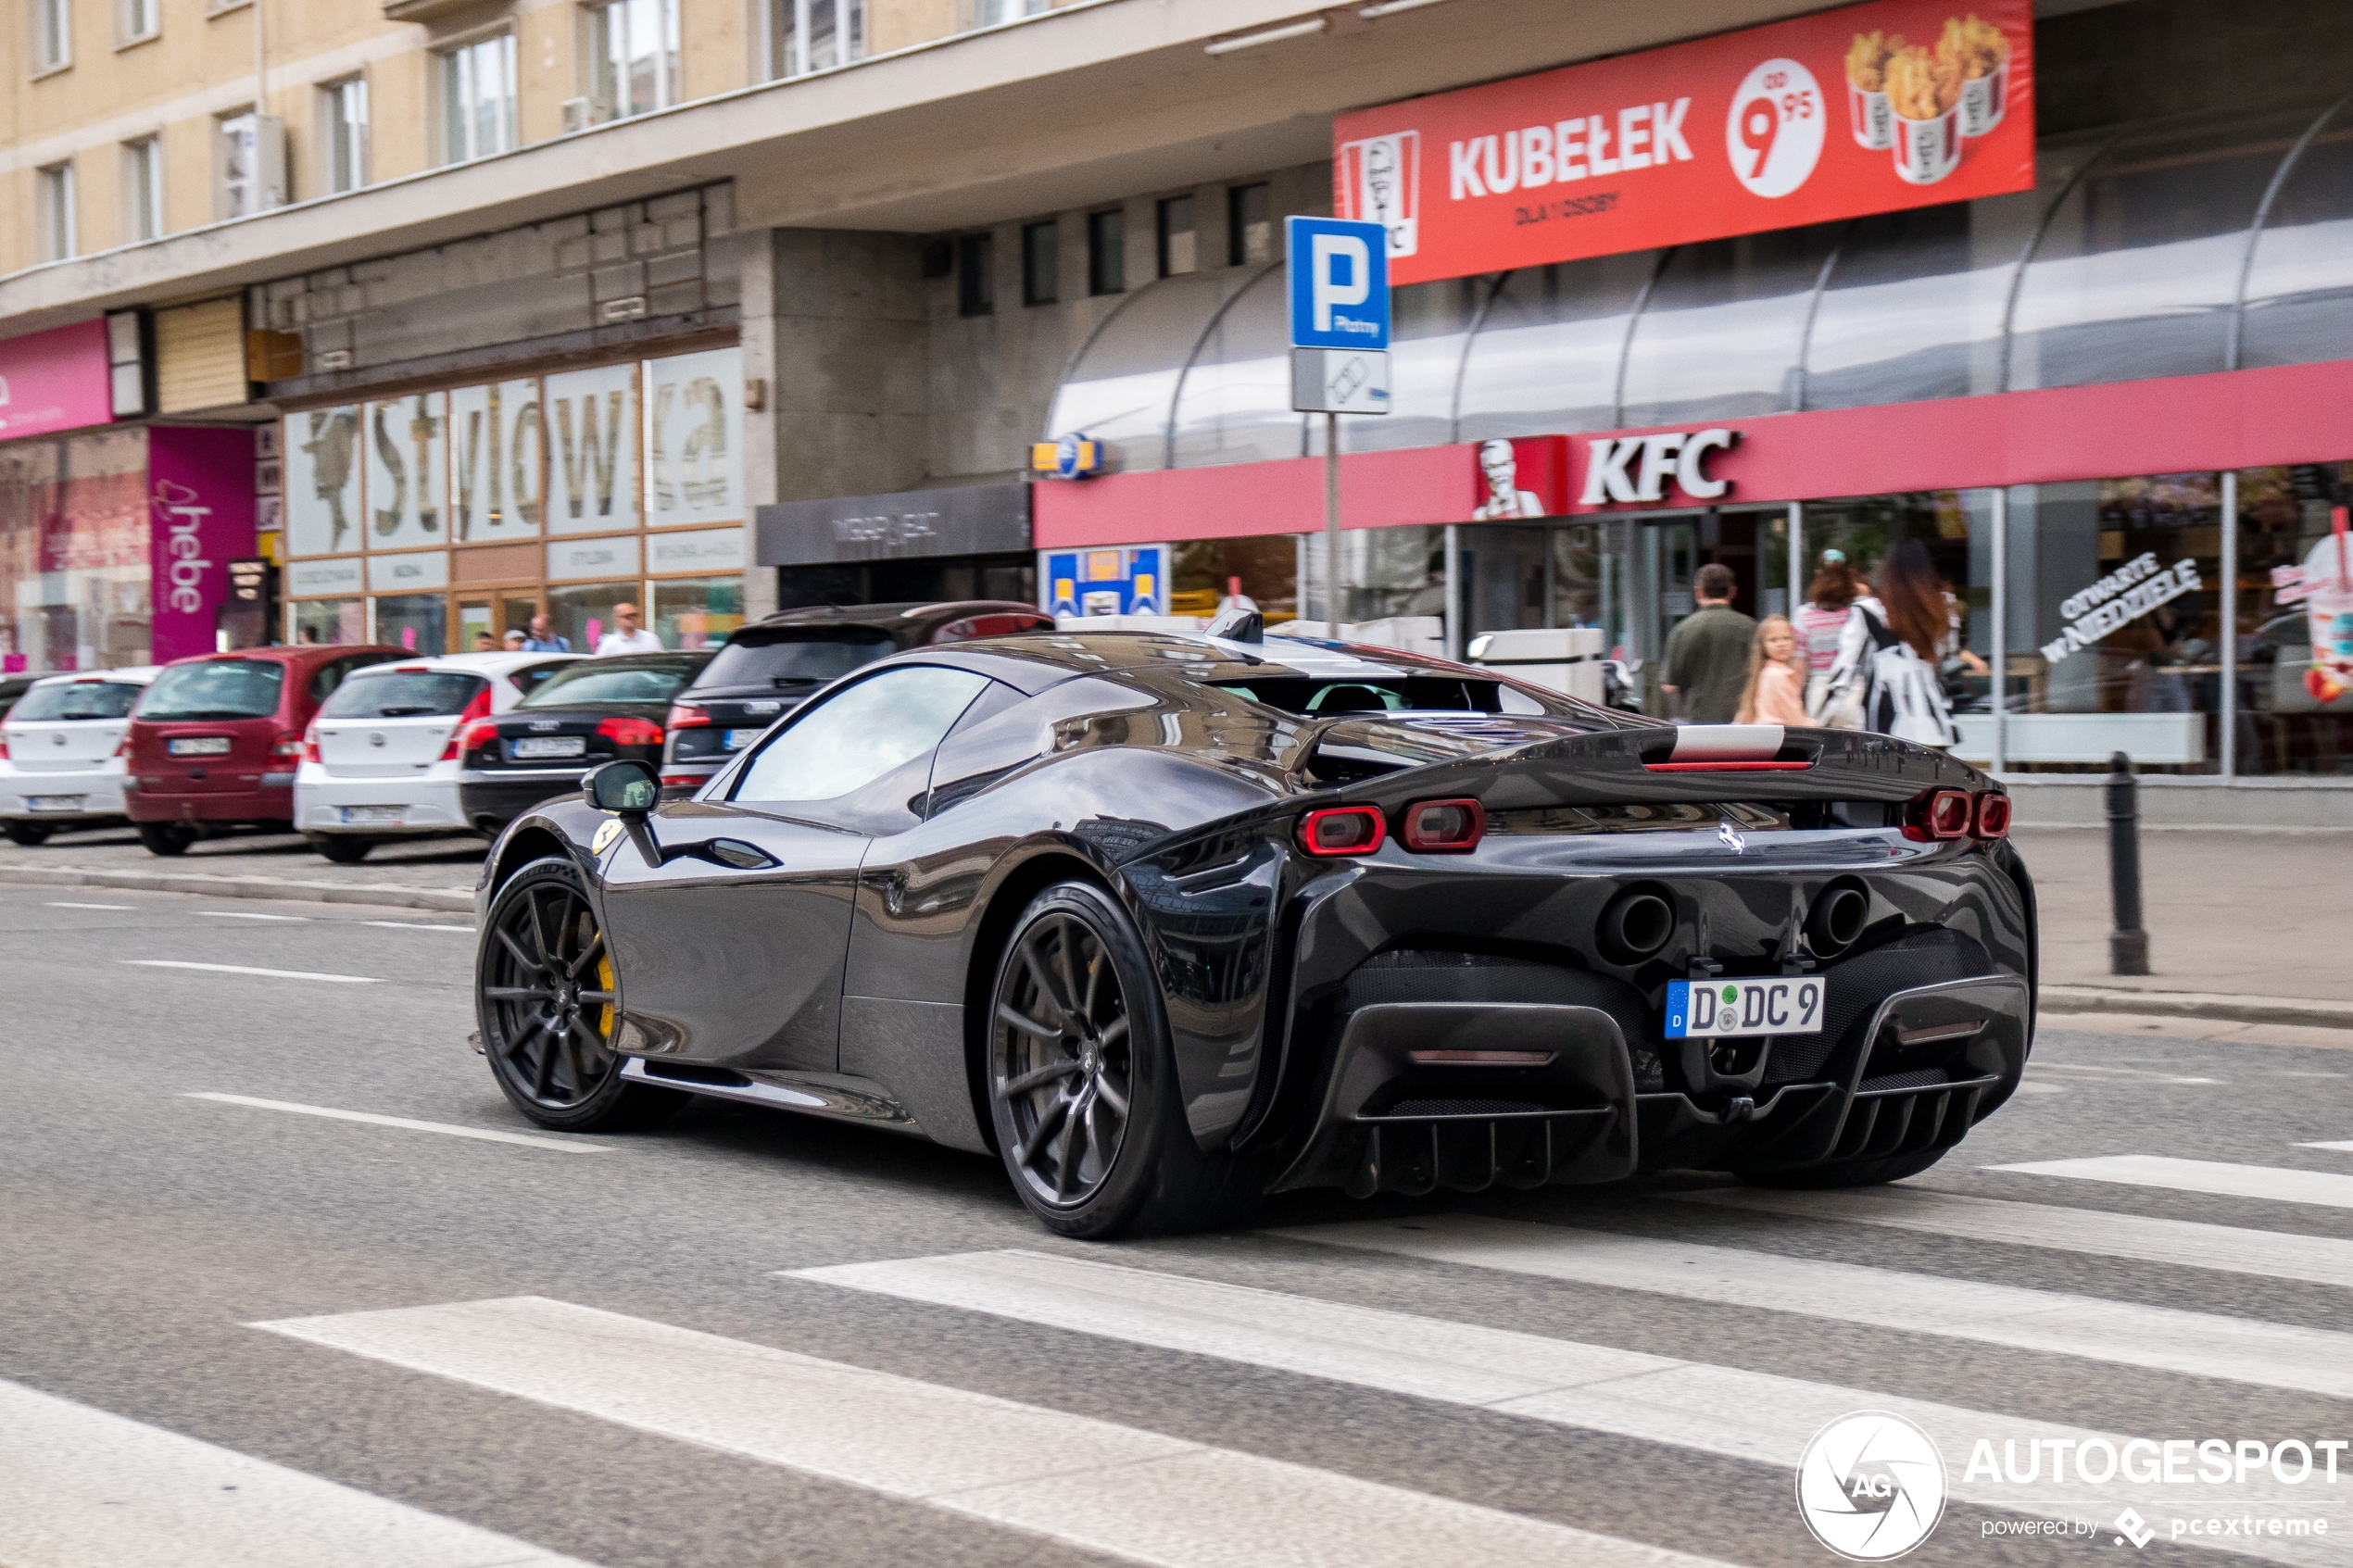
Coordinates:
(736,854)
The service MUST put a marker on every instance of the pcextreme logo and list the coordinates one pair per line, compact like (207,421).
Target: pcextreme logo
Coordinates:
(1870,1487)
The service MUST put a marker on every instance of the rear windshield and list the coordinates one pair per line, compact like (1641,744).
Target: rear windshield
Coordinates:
(797,657)
(598,681)
(1327,698)
(77,700)
(390,693)
(218,688)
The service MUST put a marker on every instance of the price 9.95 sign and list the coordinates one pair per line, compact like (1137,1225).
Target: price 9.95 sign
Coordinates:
(1894,104)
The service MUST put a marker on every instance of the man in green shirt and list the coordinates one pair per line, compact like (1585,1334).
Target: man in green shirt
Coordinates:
(1707,654)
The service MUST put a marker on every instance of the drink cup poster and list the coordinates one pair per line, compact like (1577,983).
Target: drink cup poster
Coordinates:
(1871,109)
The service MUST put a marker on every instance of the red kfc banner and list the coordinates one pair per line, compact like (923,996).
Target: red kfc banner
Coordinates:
(1872,108)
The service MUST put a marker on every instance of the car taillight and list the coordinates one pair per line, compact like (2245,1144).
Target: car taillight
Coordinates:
(471,736)
(124,749)
(630,732)
(478,708)
(1342,830)
(289,747)
(1939,814)
(4,746)
(310,743)
(1993,819)
(681,781)
(1444,827)
(686,716)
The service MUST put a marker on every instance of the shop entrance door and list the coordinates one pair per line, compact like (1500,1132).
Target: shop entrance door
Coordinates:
(492,615)
(1662,555)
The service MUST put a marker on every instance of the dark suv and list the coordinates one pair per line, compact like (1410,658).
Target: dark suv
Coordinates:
(768,668)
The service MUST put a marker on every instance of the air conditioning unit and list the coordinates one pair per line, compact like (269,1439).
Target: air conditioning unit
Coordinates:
(269,161)
(579,114)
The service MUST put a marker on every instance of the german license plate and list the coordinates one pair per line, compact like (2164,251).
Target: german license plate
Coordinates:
(199,745)
(736,740)
(354,815)
(1782,1004)
(52,802)
(530,748)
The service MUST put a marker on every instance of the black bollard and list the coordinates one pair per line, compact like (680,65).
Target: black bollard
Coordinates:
(2128,945)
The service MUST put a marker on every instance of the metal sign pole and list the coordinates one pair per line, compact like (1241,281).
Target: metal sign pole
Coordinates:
(1338,305)
(1332,598)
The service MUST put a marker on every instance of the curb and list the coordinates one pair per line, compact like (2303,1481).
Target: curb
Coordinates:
(2309,1011)
(446,899)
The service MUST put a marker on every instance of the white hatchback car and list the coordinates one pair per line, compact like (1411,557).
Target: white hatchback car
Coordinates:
(381,759)
(58,766)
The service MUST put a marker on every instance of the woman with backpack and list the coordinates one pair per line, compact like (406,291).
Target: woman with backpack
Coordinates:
(1889,653)
(1831,600)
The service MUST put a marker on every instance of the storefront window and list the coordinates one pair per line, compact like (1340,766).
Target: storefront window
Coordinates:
(408,472)
(74,553)
(1956,528)
(416,622)
(330,621)
(591,427)
(494,461)
(1262,568)
(1388,573)
(696,612)
(2294,620)
(323,482)
(583,613)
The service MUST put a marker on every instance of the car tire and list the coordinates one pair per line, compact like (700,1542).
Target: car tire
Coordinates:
(1095,1034)
(27,833)
(547,1027)
(1847,1172)
(342,849)
(166,838)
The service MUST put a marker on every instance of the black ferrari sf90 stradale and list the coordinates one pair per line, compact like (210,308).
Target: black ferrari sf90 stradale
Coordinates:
(1170,923)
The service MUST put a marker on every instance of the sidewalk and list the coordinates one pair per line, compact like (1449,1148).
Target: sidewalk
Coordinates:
(436,873)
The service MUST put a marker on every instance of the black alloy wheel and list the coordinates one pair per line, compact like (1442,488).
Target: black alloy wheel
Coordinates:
(545,996)
(1081,1080)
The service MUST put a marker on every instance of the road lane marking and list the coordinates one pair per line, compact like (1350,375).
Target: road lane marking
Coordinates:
(1120,1490)
(2184,1243)
(2345,1148)
(244,968)
(414,925)
(117,908)
(1759,1417)
(90,1489)
(2276,1182)
(248,914)
(486,1134)
(2093,1328)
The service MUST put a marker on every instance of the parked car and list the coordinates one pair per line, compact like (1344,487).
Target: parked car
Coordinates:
(768,668)
(215,740)
(60,765)
(587,713)
(12,687)
(381,759)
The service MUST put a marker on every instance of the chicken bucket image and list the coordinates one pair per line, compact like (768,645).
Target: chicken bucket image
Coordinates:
(1926,150)
(1982,100)
(1871,120)
(1869,114)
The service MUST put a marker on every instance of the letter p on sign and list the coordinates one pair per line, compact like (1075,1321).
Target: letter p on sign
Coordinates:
(1338,283)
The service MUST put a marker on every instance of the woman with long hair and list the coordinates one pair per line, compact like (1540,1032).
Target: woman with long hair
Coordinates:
(1775,692)
(1888,651)
(1828,600)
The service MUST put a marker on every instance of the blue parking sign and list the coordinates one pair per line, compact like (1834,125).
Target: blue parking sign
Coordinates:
(1338,283)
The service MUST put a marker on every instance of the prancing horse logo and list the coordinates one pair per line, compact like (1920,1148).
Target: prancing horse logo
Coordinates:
(1733,840)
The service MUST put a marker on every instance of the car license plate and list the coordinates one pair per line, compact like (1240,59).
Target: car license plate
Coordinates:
(352,815)
(199,745)
(52,802)
(1780,1004)
(736,740)
(533,747)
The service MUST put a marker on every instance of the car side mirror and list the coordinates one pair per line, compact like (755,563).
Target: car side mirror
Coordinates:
(629,789)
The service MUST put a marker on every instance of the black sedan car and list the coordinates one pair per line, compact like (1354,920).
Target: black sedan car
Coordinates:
(597,710)
(768,668)
(1169,922)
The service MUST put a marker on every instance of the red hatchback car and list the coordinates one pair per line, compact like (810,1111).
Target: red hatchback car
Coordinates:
(216,739)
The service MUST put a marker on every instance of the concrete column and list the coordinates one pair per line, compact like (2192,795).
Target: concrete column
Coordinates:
(756,254)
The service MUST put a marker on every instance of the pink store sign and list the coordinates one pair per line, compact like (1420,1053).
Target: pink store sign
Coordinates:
(199,519)
(54,381)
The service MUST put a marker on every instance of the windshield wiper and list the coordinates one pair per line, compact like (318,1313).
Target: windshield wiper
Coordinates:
(199,713)
(410,711)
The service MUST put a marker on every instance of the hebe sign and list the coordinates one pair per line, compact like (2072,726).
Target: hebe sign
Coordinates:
(200,517)
(1872,109)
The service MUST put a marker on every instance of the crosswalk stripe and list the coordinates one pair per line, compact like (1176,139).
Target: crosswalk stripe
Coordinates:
(90,1489)
(1129,1493)
(2276,1183)
(2163,1339)
(1756,1416)
(2183,1243)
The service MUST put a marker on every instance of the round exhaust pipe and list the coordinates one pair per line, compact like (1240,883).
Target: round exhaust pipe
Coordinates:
(1634,925)
(1836,918)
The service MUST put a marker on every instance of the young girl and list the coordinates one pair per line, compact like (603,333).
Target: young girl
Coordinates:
(1776,691)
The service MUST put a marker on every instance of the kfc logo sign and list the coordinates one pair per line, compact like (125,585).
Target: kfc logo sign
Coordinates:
(1637,468)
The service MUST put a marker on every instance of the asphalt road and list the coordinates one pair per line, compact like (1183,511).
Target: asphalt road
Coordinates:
(749,1339)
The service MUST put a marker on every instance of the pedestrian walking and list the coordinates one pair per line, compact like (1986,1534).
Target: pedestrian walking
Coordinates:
(1707,653)
(1830,599)
(542,638)
(1890,649)
(627,636)
(1776,690)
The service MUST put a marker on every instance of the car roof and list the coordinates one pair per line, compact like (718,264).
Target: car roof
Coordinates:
(297,653)
(128,675)
(894,616)
(471,663)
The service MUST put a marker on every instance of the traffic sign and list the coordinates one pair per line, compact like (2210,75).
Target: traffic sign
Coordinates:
(1338,283)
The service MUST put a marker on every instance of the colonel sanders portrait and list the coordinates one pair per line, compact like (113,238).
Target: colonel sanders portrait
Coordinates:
(1505,497)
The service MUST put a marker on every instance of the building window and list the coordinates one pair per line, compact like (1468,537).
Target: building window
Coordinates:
(478,99)
(342,106)
(1040,262)
(138,19)
(989,13)
(52,36)
(1178,254)
(634,47)
(817,34)
(976,289)
(57,212)
(143,189)
(1250,225)
(1107,251)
